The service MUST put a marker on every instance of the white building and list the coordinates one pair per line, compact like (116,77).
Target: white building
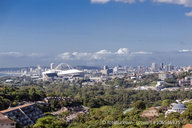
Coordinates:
(163,76)
(180,108)
(159,85)
(154,67)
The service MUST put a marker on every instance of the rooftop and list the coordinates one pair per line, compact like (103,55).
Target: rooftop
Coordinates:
(5,120)
(179,106)
(14,108)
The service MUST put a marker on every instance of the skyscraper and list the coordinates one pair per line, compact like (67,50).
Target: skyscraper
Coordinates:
(154,67)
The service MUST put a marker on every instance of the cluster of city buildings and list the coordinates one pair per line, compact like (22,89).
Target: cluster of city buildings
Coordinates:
(64,72)
(65,69)
(32,71)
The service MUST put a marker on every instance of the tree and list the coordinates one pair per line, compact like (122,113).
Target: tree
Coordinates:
(93,103)
(50,122)
(173,120)
(33,95)
(167,102)
(4,103)
(188,113)
(139,104)
(171,80)
(55,104)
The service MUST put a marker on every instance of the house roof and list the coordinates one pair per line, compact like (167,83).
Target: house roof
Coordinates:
(154,111)
(5,120)
(150,109)
(179,106)
(14,108)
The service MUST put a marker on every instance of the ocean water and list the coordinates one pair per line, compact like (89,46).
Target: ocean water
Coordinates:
(2,75)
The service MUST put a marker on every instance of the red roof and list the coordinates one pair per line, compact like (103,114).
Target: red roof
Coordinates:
(5,120)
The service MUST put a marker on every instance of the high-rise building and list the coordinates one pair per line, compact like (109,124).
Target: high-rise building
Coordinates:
(38,67)
(115,69)
(170,67)
(154,67)
(161,66)
(52,65)
(106,70)
(105,67)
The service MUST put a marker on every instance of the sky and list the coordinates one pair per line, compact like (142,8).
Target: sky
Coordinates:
(95,32)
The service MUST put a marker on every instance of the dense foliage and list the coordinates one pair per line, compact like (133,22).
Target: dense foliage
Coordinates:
(12,96)
(106,102)
(50,122)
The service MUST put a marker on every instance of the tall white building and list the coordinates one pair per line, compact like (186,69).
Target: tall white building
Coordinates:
(169,68)
(52,65)
(154,67)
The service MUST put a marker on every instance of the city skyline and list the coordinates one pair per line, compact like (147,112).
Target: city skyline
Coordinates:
(95,32)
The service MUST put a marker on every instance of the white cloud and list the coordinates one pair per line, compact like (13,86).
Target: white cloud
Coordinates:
(84,55)
(121,56)
(185,51)
(188,13)
(20,54)
(22,59)
(142,53)
(126,1)
(81,55)
(34,55)
(102,55)
(13,54)
(186,3)
(103,52)
(100,1)
(122,51)
(65,55)
(122,1)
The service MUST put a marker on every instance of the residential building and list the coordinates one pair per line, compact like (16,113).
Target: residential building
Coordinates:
(163,76)
(49,99)
(106,70)
(151,112)
(24,115)
(5,122)
(159,85)
(180,108)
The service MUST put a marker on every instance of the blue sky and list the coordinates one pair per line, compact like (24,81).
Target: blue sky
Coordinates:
(91,32)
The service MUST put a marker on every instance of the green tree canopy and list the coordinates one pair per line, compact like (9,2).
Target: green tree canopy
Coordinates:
(50,122)
(167,102)
(139,104)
